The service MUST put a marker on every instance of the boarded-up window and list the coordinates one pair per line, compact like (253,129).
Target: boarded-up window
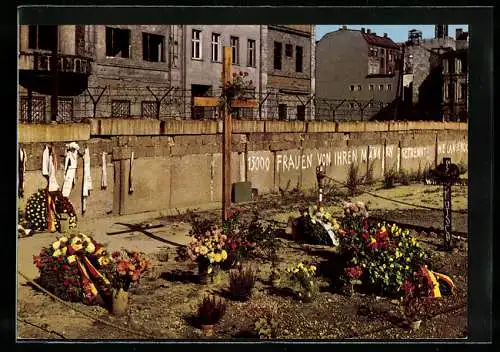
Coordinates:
(120,108)
(37,110)
(149,109)
(282,111)
(301,112)
(277,55)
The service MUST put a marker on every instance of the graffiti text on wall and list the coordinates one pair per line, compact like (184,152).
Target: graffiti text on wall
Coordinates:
(448,148)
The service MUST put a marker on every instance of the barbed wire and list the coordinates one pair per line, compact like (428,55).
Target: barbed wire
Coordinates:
(41,328)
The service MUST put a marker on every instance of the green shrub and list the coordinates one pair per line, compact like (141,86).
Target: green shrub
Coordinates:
(390,177)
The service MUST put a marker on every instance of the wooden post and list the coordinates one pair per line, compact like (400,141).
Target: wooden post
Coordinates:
(447,204)
(226,142)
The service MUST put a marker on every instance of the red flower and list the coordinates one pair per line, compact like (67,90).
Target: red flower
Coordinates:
(408,288)
(353,272)
(66,283)
(365,235)
(122,267)
(115,254)
(54,268)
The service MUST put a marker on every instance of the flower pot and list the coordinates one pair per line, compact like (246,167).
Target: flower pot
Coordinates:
(63,223)
(120,302)
(208,330)
(415,325)
(203,273)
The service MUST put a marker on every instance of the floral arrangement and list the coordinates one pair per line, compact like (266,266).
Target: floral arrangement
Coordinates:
(128,268)
(78,268)
(317,226)
(208,249)
(74,268)
(36,211)
(304,277)
(236,88)
(43,211)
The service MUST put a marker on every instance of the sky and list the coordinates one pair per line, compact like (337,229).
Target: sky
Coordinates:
(398,33)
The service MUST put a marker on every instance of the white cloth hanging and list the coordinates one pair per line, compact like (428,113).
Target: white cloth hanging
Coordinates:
(130,177)
(22,170)
(70,164)
(87,178)
(45,161)
(53,185)
(104,172)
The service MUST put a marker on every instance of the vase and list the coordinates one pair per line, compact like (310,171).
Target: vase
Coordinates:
(415,325)
(120,302)
(63,223)
(208,330)
(203,272)
(215,275)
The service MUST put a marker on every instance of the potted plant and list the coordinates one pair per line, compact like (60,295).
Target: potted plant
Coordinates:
(210,312)
(241,283)
(208,251)
(303,276)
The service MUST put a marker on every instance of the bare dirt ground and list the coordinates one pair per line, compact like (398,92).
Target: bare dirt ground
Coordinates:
(162,304)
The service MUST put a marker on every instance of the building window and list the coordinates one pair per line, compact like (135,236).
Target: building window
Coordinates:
(282,111)
(381,87)
(251,61)
(372,87)
(359,86)
(390,56)
(65,109)
(235,47)
(38,108)
(278,48)
(289,50)
(351,105)
(42,37)
(120,108)
(352,88)
(389,87)
(301,112)
(445,66)
(117,42)
(382,65)
(216,47)
(196,44)
(149,109)
(152,47)
(298,59)
(458,66)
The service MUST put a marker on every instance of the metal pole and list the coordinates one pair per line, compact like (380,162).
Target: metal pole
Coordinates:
(54,69)
(320,175)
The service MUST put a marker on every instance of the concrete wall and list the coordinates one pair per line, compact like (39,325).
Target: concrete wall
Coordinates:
(179,166)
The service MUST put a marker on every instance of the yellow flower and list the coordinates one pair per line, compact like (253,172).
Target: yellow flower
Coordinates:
(209,269)
(102,260)
(295,270)
(56,245)
(72,258)
(57,253)
(372,240)
(63,239)
(224,255)
(218,257)
(407,267)
(64,250)
(77,247)
(398,253)
(300,265)
(90,248)
(313,268)
(408,260)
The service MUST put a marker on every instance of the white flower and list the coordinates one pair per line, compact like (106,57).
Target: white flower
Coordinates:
(90,248)
(63,239)
(56,245)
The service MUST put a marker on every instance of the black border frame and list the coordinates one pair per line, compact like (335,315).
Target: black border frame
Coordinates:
(480,20)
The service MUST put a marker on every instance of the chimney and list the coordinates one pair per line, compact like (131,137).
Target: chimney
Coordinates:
(458,33)
(385,35)
(362,29)
(344,27)
(368,31)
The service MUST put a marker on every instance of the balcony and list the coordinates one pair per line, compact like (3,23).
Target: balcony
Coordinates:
(36,72)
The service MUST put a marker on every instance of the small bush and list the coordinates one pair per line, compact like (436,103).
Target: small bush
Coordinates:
(390,177)
(353,180)
(369,179)
(403,178)
(241,283)
(211,310)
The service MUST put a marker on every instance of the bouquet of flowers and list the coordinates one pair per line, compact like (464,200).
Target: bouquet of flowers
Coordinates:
(304,276)
(74,268)
(208,249)
(317,226)
(236,88)
(64,206)
(128,267)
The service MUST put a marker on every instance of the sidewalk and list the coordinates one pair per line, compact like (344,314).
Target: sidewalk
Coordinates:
(149,242)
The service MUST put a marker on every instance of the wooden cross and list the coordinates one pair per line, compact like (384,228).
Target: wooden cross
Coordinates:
(227,127)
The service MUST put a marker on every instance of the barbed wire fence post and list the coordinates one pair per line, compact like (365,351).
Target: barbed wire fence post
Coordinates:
(96,101)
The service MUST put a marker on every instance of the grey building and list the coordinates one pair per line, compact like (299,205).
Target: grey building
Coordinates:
(357,74)
(290,71)
(203,59)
